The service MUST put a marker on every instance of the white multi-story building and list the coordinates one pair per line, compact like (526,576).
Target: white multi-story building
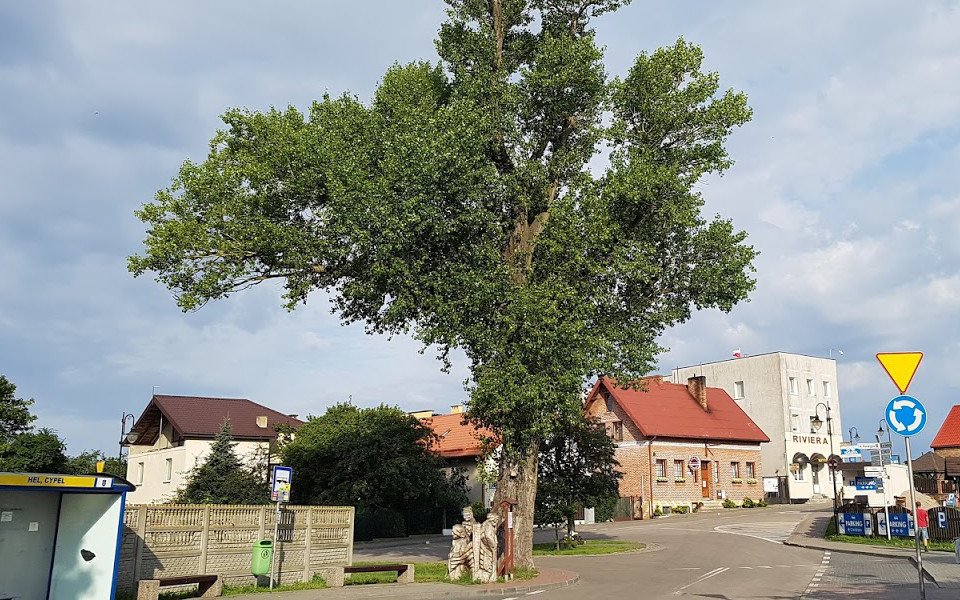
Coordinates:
(174,434)
(790,396)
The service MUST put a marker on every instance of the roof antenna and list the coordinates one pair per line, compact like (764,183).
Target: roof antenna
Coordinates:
(155,389)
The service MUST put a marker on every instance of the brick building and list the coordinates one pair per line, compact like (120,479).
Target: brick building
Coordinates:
(665,429)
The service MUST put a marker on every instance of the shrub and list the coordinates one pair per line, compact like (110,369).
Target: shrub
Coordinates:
(728,503)
(658,512)
(604,509)
(680,509)
(748,503)
(762,502)
(480,511)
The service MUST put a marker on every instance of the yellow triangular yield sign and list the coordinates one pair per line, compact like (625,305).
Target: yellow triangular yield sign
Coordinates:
(900,366)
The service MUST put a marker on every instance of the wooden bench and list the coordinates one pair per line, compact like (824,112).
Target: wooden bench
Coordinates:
(208,586)
(404,573)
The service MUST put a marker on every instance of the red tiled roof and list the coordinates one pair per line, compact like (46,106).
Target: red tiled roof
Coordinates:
(668,410)
(949,434)
(458,438)
(199,417)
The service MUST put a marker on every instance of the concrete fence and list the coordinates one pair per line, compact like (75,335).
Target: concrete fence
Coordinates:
(176,540)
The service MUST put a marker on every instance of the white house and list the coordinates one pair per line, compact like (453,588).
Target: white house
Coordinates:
(174,434)
(795,400)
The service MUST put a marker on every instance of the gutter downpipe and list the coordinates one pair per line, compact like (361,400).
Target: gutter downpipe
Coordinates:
(650,469)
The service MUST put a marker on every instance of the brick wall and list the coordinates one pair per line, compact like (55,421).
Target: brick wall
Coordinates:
(637,473)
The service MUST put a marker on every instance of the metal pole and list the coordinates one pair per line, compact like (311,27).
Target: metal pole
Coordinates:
(833,472)
(276,546)
(916,521)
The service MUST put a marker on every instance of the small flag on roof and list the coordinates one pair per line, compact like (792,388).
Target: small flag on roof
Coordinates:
(737,353)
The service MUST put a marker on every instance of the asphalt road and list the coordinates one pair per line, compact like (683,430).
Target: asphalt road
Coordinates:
(723,555)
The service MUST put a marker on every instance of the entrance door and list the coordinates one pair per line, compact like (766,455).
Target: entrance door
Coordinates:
(816,478)
(706,479)
(28,524)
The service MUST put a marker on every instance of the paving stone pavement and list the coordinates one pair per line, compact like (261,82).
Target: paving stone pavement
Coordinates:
(849,576)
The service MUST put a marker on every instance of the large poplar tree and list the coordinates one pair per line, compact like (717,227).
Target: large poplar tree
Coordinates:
(461,206)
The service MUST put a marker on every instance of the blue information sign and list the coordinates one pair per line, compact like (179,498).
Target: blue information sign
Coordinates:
(901,525)
(868,484)
(856,524)
(906,416)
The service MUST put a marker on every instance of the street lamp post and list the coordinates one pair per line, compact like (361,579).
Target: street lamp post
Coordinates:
(854,434)
(817,423)
(123,430)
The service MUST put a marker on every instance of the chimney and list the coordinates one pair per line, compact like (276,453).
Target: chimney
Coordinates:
(697,386)
(456,409)
(262,422)
(421,414)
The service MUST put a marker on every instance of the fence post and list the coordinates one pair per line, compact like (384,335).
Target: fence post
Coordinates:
(141,541)
(204,539)
(308,543)
(353,522)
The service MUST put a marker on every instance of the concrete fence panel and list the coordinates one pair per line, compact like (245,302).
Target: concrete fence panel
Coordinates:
(178,540)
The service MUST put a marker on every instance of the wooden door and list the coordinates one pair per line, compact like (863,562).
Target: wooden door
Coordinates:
(706,478)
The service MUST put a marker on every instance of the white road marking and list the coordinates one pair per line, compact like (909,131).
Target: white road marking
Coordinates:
(713,573)
(776,532)
(535,592)
(686,568)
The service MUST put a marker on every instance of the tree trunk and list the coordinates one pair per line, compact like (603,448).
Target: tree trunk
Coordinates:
(517,481)
(570,525)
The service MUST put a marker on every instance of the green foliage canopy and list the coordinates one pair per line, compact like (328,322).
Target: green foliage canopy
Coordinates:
(463,205)
(15,416)
(577,467)
(372,458)
(223,478)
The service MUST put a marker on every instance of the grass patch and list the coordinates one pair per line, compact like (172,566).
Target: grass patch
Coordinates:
(588,548)
(424,572)
(907,543)
(317,584)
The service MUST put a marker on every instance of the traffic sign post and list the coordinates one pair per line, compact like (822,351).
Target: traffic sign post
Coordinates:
(906,416)
(280,479)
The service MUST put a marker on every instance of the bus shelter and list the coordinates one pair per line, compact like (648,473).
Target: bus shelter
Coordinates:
(60,535)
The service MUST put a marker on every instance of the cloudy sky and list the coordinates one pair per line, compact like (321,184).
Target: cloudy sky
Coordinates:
(846,179)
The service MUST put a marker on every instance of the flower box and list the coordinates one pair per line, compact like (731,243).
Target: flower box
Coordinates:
(662,480)
(752,481)
(679,480)
(736,480)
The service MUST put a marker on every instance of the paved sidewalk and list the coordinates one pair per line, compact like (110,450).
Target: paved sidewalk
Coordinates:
(940,567)
(547,579)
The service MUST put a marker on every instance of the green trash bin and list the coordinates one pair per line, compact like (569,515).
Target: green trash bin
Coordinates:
(262,555)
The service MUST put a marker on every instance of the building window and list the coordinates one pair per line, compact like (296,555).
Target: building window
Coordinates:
(618,431)
(140,473)
(793,386)
(661,468)
(810,390)
(798,474)
(678,469)
(737,390)
(735,470)
(751,470)
(795,422)
(608,401)
(168,471)
(826,389)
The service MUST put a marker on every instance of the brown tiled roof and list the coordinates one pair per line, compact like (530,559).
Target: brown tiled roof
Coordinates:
(200,417)
(458,438)
(949,434)
(931,462)
(668,410)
